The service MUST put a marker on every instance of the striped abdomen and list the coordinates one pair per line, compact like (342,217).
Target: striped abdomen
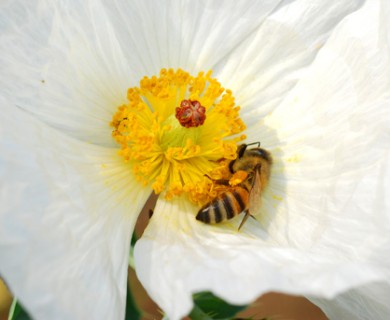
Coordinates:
(224,207)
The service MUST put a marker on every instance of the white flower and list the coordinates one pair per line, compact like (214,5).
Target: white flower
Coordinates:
(312,79)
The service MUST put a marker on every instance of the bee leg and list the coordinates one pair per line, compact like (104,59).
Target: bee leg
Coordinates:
(224,182)
(247,215)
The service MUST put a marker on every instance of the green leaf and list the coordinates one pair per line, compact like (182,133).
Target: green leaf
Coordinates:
(131,253)
(209,307)
(17,312)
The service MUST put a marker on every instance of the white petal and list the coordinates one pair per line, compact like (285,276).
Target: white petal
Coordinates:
(63,62)
(357,73)
(324,224)
(66,218)
(71,63)
(268,64)
(178,256)
(366,302)
(329,137)
(193,35)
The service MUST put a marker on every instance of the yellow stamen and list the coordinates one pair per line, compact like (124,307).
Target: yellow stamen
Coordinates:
(168,149)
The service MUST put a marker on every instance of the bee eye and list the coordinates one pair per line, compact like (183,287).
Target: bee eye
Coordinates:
(241,151)
(231,166)
(261,153)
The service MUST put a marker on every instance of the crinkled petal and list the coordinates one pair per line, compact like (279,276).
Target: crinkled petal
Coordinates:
(263,69)
(62,61)
(193,35)
(324,224)
(66,218)
(178,256)
(366,302)
(72,62)
(329,136)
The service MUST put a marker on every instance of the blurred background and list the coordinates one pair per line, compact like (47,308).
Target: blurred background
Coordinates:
(5,301)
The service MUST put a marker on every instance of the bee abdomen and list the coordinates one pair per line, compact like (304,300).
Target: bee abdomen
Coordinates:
(225,207)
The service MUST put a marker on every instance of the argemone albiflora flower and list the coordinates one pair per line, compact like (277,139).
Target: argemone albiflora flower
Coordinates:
(81,152)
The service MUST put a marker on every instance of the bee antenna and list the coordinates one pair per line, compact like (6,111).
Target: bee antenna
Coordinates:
(253,143)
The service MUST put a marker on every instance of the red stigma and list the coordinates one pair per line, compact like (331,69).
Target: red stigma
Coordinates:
(191,113)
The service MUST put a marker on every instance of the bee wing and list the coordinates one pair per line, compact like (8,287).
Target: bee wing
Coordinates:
(255,192)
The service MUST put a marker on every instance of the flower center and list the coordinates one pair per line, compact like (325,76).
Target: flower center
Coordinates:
(175,129)
(191,113)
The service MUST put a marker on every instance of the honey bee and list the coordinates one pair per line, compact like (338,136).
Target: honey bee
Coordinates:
(245,195)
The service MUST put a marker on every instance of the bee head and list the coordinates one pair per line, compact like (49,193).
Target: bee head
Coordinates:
(244,152)
(243,148)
